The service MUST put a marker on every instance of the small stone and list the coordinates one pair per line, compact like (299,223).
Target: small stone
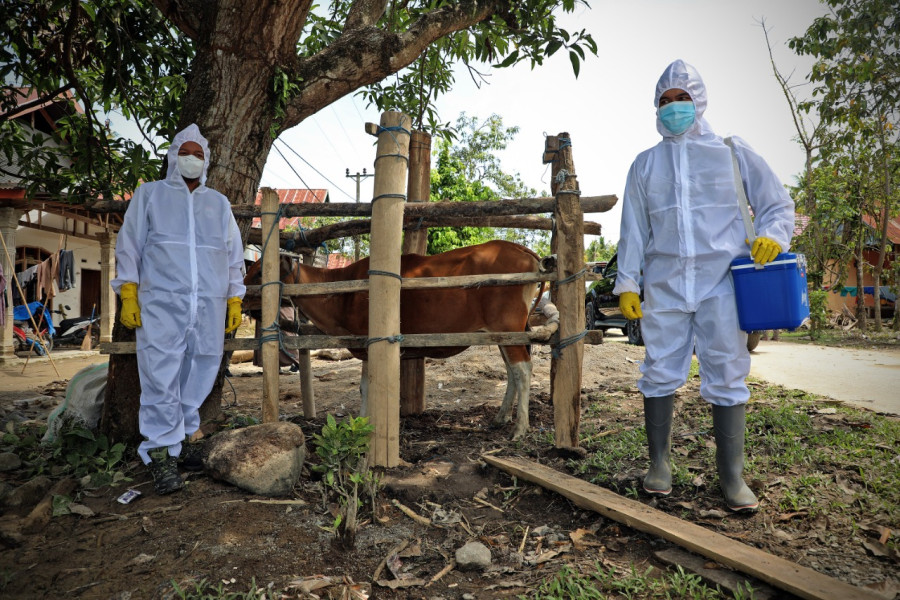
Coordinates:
(474,556)
(9,461)
(29,493)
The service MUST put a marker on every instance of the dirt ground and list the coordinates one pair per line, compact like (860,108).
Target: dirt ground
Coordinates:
(212,531)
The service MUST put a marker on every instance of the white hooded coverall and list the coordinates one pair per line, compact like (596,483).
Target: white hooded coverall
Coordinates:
(184,251)
(682,225)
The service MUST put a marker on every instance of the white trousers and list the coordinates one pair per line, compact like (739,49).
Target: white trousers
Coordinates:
(671,337)
(176,377)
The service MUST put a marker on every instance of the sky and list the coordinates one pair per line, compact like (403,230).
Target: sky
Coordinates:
(608,110)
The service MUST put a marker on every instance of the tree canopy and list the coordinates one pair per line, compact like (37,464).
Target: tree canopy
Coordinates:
(243,71)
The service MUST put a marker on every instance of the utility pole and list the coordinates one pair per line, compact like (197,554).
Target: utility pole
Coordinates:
(358,178)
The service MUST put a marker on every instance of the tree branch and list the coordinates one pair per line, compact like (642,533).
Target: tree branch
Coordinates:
(366,55)
(364,13)
(183,14)
(34,103)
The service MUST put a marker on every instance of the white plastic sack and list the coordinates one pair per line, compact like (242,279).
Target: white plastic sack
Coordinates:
(83,404)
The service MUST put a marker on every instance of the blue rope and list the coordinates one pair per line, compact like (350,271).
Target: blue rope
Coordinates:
(557,350)
(391,131)
(394,339)
(278,215)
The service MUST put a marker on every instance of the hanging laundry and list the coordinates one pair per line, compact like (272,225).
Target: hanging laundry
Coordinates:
(66,270)
(45,283)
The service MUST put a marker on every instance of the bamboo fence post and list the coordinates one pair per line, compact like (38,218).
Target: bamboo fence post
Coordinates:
(306,387)
(567,243)
(271,299)
(412,370)
(391,160)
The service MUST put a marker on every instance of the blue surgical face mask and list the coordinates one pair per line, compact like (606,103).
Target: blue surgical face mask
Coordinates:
(677,117)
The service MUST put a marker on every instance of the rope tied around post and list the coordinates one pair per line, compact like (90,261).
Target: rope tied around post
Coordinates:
(556,352)
(569,279)
(279,214)
(385,273)
(390,130)
(380,196)
(393,339)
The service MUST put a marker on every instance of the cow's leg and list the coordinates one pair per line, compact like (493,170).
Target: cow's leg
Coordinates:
(364,389)
(505,412)
(518,388)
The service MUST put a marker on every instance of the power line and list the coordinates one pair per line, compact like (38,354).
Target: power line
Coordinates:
(294,170)
(309,165)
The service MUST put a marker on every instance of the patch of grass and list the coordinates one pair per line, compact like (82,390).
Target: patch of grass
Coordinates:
(206,590)
(609,582)
(790,436)
(611,454)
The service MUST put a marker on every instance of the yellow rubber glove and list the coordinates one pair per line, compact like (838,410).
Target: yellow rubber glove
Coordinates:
(130,316)
(630,305)
(233,317)
(764,250)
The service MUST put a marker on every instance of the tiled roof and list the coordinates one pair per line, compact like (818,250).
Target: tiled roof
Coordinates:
(293,196)
(893,232)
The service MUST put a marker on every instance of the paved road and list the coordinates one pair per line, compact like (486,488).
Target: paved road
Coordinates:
(866,378)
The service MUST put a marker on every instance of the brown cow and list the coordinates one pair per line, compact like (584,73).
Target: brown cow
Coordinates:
(445,310)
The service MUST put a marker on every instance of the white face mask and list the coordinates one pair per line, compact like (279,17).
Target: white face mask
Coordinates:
(190,166)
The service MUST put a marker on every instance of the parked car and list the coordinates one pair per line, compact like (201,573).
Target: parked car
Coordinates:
(601,306)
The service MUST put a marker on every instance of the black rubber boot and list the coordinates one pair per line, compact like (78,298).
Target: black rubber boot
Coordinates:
(164,469)
(658,422)
(191,457)
(729,423)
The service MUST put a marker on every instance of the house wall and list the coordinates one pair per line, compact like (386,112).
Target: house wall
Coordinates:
(86,256)
(838,297)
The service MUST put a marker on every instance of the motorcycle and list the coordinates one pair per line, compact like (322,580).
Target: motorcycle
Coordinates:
(24,337)
(72,331)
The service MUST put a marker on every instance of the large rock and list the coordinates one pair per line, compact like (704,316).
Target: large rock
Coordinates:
(264,459)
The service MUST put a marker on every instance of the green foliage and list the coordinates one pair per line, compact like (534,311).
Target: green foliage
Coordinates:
(284,89)
(75,452)
(469,170)
(526,32)
(84,452)
(206,590)
(818,314)
(600,250)
(342,449)
(109,56)
(609,582)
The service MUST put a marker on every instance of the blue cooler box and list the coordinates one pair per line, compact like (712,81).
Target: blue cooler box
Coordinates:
(774,296)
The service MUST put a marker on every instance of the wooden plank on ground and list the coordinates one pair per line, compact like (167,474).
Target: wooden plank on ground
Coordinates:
(712,574)
(779,572)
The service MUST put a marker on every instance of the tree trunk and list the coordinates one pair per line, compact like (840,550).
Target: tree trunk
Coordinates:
(860,278)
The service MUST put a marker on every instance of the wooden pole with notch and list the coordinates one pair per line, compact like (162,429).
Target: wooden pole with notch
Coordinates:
(567,243)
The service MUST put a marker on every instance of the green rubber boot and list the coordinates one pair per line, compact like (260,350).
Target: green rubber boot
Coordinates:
(729,423)
(658,422)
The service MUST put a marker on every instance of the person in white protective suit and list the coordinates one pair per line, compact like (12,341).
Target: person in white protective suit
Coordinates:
(179,273)
(681,225)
